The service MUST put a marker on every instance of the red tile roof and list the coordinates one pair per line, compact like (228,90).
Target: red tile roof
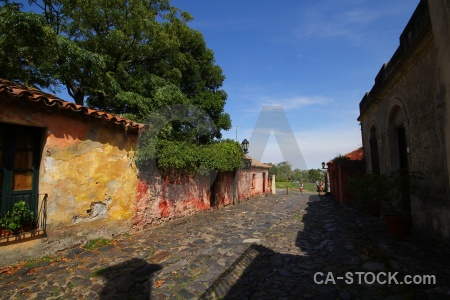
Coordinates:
(257,163)
(357,154)
(24,93)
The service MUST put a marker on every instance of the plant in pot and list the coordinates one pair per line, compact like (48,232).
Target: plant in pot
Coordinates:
(3,231)
(21,218)
(370,190)
(396,204)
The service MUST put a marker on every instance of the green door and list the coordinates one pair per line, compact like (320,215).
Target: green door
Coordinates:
(19,165)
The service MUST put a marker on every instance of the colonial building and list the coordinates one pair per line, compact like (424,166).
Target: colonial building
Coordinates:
(75,168)
(341,171)
(405,118)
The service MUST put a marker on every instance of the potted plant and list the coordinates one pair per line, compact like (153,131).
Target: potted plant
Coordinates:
(396,205)
(21,218)
(370,190)
(3,231)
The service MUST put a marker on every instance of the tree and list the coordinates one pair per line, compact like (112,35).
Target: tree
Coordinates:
(128,57)
(299,175)
(125,57)
(282,171)
(315,175)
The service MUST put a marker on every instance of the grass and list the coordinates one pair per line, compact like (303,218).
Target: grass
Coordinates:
(97,273)
(34,262)
(96,243)
(309,186)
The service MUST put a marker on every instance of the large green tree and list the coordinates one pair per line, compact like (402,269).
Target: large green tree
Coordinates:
(129,57)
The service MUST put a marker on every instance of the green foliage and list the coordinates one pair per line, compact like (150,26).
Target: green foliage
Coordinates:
(315,175)
(96,243)
(220,156)
(339,159)
(125,57)
(132,58)
(295,186)
(390,191)
(25,45)
(370,188)
(282,171)
(20,216)
(99,272)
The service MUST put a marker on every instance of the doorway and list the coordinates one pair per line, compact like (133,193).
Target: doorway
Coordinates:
(19,165)
(264,183)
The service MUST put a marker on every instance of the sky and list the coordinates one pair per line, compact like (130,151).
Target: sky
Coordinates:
(296,70)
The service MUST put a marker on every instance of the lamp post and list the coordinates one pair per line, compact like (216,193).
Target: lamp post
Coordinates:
(244,146)
(327,178)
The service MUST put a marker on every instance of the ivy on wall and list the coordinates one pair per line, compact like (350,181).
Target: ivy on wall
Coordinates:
(188,157)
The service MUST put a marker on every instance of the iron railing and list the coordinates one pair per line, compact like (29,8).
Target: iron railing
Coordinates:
(40,222)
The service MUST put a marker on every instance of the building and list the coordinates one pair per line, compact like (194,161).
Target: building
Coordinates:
(343,169)
(75,167)
(405,118)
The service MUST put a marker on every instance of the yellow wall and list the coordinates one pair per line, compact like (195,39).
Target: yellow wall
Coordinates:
(86,165)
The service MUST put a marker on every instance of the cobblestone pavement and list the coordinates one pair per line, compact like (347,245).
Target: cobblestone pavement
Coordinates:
(264,248)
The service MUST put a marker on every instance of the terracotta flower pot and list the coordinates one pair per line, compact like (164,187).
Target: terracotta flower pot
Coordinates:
(4,233)
(399,226)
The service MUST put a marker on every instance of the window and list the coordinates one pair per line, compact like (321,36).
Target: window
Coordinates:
(374,157)
(19,165)
(253,180)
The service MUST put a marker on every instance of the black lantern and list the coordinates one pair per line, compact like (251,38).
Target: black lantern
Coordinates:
(244,146)
(323,165)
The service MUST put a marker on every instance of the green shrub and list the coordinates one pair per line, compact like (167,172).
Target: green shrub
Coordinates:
(20,216)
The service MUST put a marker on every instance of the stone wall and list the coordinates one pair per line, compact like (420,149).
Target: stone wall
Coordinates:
(87,169)
(244,185)
(260,184)
(163,198)
(410,93)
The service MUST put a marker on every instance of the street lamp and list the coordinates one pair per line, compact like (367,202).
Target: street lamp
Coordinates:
(327,178)
(244,146)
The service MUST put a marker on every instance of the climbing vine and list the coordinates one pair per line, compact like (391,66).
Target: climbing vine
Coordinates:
(188,157)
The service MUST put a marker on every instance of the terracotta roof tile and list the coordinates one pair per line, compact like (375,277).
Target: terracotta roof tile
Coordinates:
(257,163)
(357,154)
(20,92)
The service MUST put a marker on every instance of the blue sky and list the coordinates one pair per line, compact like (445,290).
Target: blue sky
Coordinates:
(316,59)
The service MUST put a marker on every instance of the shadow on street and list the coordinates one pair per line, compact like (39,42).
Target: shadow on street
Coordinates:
(128,280)
(329,242)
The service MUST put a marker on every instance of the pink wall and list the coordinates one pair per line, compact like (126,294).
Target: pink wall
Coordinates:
(223,188)
(260,182)
(159,200)
(162,199)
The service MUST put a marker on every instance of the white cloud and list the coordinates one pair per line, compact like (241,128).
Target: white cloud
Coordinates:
(317,145)
(295,102)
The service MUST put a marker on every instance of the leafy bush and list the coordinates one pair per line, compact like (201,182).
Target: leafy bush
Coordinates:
(20,216)
(389,191)
(166,155)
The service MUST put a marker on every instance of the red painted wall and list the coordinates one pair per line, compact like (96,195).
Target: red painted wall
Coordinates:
(339,176)
(162,199)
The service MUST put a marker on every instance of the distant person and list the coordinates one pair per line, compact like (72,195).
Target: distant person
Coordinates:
(302,188)
(321,188)
(317,186)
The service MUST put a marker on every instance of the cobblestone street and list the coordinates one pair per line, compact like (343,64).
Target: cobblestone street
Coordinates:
(264,248)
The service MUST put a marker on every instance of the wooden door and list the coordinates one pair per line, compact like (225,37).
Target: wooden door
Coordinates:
(19,165)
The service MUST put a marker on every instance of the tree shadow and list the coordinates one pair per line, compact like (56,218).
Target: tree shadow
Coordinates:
(131,279)
(323,246)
